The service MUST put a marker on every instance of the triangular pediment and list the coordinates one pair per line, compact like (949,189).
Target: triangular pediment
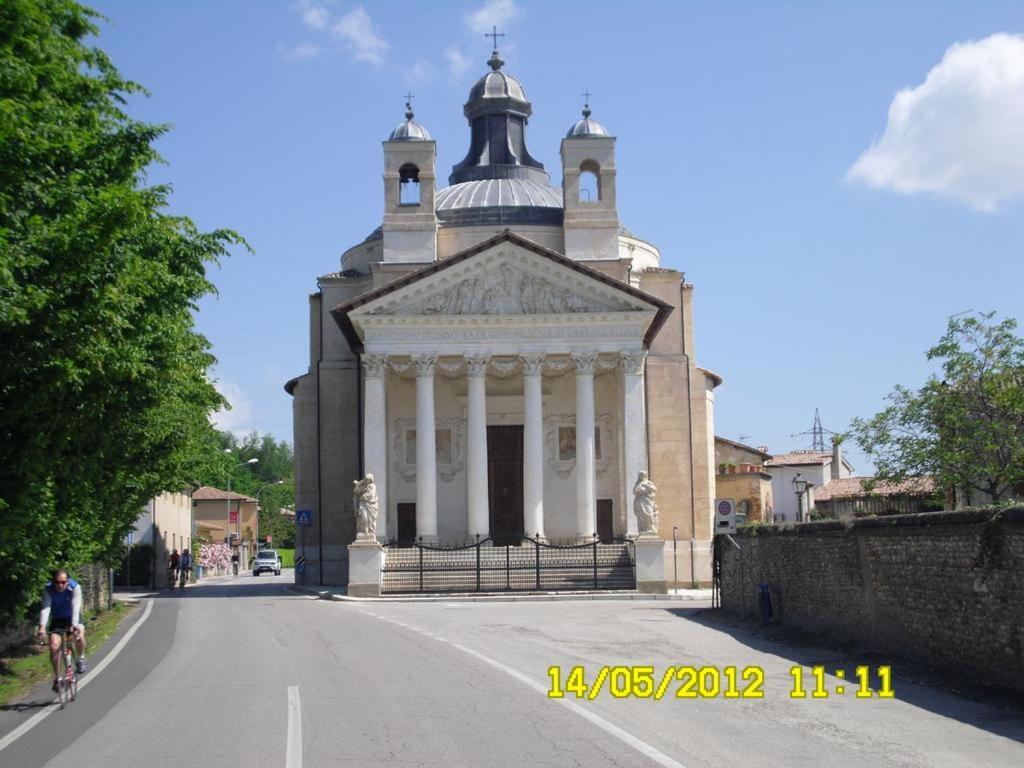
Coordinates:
(505,279)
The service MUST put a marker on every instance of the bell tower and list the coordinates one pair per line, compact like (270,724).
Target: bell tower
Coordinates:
(410,224)
(588,191)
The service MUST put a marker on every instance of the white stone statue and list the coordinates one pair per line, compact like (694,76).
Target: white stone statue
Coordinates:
(366,506)
(644,506)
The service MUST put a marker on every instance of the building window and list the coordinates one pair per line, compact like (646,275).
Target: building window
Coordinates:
(408,185)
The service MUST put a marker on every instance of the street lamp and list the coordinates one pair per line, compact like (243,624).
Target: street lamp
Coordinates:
(800,487)
(228,530)
(261,490)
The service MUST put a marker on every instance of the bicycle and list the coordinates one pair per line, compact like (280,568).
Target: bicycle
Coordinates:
(184,578)
(67,682)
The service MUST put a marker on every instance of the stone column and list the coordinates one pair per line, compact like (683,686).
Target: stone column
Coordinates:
(375,432)
(426,449)
(533,446)
(634,427)
(586,479)
(476,447)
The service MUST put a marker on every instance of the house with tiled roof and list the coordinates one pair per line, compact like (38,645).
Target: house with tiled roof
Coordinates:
(226,517)
(741,476)
(858,496)
(790,470)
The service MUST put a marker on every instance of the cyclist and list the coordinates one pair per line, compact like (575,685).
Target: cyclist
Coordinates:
(62,608)
(185,563)
(172,568)
(234,561)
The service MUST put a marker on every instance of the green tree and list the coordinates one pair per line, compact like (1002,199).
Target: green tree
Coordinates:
(104,401)
(965,428)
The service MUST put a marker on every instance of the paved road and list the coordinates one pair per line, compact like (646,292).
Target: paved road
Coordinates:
(242,672)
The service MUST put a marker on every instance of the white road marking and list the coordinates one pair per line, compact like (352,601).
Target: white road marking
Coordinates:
(293,754)
(626,738)
(37,718)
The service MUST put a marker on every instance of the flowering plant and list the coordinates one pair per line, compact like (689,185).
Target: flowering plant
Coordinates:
(214,555)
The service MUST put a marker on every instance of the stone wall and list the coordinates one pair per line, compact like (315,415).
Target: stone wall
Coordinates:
(943,588)
(95,581)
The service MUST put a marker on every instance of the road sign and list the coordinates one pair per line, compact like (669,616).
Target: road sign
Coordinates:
(725,515)
(300,565)
(304,517)
(128,539)
(233,517)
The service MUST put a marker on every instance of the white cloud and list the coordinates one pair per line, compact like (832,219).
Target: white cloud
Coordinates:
(356,29)
(420,72)
(458,62)
(960,134)
(313,15)
(493,13)
(301,51)
(239,419)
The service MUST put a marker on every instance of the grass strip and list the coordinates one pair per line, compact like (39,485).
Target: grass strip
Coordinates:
(28,665)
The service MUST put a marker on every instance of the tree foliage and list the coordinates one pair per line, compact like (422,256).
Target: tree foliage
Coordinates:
(104,401)
(965,428)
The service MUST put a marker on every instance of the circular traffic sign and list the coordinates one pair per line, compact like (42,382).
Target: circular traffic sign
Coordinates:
(724,508)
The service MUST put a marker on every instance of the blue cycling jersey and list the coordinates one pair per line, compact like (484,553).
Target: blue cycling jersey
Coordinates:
(60,602)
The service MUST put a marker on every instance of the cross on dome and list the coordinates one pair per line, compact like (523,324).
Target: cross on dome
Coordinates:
(495,61)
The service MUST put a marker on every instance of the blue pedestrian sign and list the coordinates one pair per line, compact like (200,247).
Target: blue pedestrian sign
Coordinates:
(304,517)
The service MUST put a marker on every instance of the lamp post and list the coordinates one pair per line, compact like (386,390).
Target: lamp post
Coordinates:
(228,530)
(799,487)
(261,490)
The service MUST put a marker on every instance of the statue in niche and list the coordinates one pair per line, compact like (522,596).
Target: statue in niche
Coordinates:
(366,506)
(644,506)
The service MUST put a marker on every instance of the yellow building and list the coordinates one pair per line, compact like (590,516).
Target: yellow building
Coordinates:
(226,517)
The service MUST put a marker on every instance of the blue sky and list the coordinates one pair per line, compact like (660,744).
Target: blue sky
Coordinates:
(828,237)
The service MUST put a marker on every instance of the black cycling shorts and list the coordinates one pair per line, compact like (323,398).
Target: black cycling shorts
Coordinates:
(59,625)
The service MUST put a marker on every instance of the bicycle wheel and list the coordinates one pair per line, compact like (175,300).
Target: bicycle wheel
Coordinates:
(62,681)
(73,675)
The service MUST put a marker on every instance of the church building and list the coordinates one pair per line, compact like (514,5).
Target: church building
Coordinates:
(504,357)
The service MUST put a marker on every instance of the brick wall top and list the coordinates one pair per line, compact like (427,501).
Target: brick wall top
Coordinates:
(959,517)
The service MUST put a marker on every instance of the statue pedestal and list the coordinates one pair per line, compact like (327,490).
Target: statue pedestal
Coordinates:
(650,564)
(365,558)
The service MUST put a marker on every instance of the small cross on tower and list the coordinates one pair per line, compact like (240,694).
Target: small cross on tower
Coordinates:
(586,95)
(494,33)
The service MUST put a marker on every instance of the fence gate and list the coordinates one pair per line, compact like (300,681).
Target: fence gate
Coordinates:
(526,566)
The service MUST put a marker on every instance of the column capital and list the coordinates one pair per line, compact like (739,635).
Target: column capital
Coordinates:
(584,362)
(424,365)
(476,364)
(633,362)
(532,363)
(374,365)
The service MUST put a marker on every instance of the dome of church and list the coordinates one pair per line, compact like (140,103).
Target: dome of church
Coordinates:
(410,130)
(499,201)
(586,127)
(497,85)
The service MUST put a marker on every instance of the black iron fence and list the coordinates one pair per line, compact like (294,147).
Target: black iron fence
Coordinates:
(529,565)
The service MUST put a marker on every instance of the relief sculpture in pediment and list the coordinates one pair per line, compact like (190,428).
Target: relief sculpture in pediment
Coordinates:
(504,291)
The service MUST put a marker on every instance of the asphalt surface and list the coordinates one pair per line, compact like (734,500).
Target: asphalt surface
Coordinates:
(244,672)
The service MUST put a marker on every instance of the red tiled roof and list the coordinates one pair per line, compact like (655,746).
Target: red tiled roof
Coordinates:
(799,459)
(209,493)
(853,487)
